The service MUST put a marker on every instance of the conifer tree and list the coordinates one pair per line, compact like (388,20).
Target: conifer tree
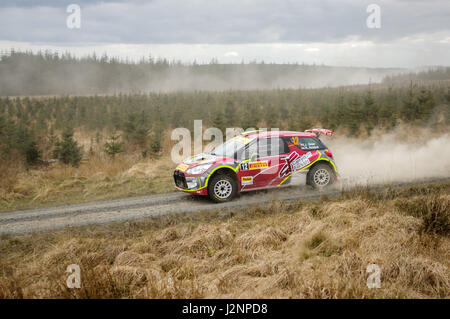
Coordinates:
(67,150)
(113,146)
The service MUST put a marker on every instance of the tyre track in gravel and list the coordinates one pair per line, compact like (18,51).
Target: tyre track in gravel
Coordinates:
(135,208)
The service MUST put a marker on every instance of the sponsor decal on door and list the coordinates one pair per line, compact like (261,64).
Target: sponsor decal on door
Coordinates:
(294,162)
(247,180)
(254,165)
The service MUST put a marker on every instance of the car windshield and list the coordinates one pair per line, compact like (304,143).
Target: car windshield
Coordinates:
(231,147)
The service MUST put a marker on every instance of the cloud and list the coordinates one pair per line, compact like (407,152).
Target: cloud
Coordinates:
(231,54)
(412,32)
(219,21)
(51,3)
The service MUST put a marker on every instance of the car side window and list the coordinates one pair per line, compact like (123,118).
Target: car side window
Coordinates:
(283,148)
(249,150)
(310,144)
(267,147)
(272,146)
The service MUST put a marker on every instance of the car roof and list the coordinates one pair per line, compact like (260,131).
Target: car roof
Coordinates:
(267,134)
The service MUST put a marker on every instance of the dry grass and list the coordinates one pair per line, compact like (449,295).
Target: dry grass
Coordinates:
(99,178)
(281,250)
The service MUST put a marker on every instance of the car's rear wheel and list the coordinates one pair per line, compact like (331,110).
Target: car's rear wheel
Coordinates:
(222,188)
(320,176)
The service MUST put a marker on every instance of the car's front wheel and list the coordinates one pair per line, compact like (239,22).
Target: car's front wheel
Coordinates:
(320,176)
(222,188)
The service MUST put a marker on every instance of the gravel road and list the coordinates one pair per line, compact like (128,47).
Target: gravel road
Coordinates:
(26,221)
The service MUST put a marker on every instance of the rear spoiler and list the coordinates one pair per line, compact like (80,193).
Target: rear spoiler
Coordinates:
(319,131)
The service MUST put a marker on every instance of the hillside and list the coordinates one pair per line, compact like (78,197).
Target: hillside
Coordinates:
(297,250)
(50,73)
(33,128)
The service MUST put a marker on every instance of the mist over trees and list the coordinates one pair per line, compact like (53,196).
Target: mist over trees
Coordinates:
(51,73)
(33,127)
(42,127)
(437,73)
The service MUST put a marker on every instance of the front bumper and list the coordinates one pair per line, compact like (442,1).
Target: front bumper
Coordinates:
(188,184)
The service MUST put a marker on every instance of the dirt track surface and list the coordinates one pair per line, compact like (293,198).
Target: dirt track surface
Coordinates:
(134,208)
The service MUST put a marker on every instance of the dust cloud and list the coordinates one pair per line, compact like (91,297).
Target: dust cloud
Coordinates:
(391,157)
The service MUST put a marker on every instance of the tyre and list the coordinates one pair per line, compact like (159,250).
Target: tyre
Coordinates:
(222,188)
(320,176)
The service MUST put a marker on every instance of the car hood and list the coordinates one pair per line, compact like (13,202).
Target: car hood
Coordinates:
(203,158)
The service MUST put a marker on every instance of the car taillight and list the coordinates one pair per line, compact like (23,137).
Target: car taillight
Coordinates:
(329,154)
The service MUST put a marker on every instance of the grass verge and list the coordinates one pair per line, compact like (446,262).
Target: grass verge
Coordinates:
(98,179)
(281,250)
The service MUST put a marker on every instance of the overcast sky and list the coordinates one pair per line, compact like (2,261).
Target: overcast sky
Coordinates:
(413,33)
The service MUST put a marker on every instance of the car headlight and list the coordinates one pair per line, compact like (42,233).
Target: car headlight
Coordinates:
(192,182)
(199,169)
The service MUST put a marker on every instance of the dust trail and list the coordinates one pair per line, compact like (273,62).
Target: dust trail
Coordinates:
(391,158)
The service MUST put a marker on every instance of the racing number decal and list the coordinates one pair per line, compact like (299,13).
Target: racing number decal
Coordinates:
(244,167)
(295,140)
(253,165)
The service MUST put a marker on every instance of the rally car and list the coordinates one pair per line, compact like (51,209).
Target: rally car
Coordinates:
(256,160)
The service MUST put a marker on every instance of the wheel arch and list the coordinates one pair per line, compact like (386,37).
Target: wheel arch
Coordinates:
(319,162)
(323,161)
(227,170)
(230,173)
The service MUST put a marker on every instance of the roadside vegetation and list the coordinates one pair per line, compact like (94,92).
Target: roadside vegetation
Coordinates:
(98,178)
(317,249)
(66,149)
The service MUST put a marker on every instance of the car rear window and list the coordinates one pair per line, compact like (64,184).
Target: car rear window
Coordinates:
(311,143)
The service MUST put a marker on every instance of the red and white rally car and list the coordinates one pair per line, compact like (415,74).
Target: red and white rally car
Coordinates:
(256,160)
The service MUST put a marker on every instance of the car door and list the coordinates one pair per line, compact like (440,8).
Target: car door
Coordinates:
(303,151)
(265,159)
